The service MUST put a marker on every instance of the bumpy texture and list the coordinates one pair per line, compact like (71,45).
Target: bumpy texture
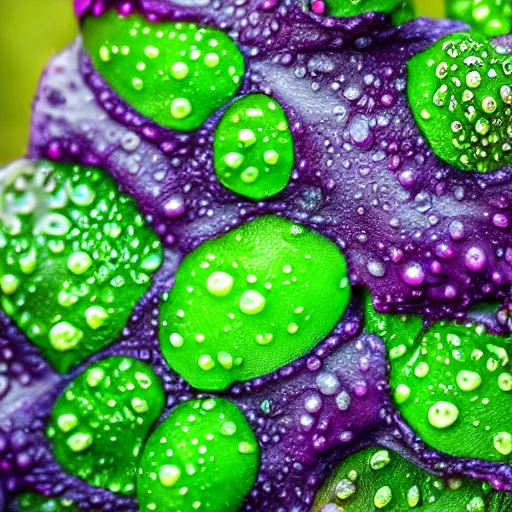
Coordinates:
(424,241)
(376,479)
(76,257)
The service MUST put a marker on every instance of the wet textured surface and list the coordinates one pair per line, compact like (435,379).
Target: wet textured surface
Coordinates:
(99,422)
(189,461)
(456,376)
(165,71)
(253,148)
(32,502)
(425,239)
(461,97)
(76,257)
(252,301)
(375,479)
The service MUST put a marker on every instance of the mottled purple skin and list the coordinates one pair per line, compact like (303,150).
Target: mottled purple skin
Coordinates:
(378,191)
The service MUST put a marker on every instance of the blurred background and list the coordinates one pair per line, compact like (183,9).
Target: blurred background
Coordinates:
(30,32)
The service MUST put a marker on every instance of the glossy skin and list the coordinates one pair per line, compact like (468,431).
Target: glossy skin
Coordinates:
(77,256)
(100,421)
(364,177)
(453,384)
(273,291)
(462,100)
(376,479)
(196,471)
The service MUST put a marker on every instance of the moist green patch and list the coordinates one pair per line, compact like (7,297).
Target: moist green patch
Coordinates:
(460,93)
(204,456)
(76,256)
(175,73)
(251,301)
(379,479)
(490,17)
(100,421)
(456,384)
(254,147)
(399,331)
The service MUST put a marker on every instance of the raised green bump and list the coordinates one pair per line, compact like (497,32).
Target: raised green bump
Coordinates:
(251,301)
(75,257)
(456,384)
(460,92)
(204,456)
(346,8)
(491,17)
(32,502)
(99,423)
(379,479)
(175,73)
(253,147)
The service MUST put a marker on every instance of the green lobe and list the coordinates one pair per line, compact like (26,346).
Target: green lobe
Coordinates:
(461,95)
(203,457)
(456,384)
(75,257)
(378,479)
(254,147)
(346,8)
(490,17)
(251,301)
(32,502)
(100,421)
(177,74)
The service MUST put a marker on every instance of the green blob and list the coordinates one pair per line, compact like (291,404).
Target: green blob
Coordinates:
(398,331)
(252,301)
(254,147)
(378,479)
(75,257)
(346,8)
(203,457)
(100,421)
(32,502)
(177,74)
(490,17)
(456,384)
(461,95)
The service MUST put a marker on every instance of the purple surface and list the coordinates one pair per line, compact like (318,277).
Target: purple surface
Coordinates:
(419,234)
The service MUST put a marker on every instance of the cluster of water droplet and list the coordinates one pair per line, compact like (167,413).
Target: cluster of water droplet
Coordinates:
(100,421)
(254,152)
(455,383)
(461,96)
(491,17)
(251,301)
(76,256)
(177,74)
(189,462)
(376,479)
